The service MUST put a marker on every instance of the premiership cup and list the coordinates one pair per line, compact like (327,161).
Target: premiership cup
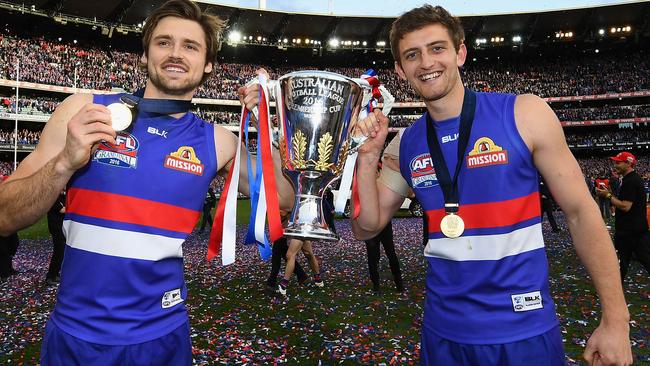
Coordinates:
(317,112)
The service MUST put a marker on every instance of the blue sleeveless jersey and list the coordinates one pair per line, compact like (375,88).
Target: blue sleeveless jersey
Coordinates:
(128,212)
(490,285)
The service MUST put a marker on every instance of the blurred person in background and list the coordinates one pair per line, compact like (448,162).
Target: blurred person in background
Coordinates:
(8,248)
(631,222)
(55,217)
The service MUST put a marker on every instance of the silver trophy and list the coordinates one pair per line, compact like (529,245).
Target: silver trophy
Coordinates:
(317,112)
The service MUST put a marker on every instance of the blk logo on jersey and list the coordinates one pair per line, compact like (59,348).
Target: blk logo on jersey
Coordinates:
(450,138)
(486,153)
(124,154)
(155,131)
(185,160)
(527,301)
(423,174)
(171,298)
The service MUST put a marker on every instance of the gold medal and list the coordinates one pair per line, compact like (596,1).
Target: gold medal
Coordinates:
(452,225)
(120,116)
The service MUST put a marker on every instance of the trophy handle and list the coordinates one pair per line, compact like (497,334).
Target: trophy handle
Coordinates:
(271,87)
(387,106)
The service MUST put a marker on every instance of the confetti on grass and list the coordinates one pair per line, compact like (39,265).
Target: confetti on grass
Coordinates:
(235,321)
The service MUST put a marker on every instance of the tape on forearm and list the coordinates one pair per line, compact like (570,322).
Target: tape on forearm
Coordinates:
(392,149)
(394,181)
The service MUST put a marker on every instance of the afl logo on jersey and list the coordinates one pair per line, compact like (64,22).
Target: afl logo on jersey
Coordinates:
(185,160)
(124,154)
(486,153)
(423,174)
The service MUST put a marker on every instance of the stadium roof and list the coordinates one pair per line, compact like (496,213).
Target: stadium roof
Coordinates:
(395,8)
(583,23)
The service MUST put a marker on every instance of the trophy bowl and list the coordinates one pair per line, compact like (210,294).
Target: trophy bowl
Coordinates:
(317,111)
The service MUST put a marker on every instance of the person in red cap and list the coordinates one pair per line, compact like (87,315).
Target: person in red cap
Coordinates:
(631,222)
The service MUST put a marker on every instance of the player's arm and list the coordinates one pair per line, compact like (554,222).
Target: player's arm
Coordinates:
(226,143)
(543,134)
(378,201)
(69,136)
(379,204)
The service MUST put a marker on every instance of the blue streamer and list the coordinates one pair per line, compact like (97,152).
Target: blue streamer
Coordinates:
(255,183)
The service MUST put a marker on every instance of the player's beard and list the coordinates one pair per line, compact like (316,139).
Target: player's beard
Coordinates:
(169,87)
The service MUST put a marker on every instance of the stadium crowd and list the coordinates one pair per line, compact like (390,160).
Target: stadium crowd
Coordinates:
(53,62)
(25,137)
(592,138)
(565,115)
(6,168)
(218,117)
(57,63)
(41,106)
(575,137)
(603,113)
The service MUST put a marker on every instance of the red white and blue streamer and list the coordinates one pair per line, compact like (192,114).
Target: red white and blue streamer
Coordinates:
(256,233)
(263,191)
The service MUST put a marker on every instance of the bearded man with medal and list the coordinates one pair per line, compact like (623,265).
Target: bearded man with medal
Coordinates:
(473,161)
(137,169)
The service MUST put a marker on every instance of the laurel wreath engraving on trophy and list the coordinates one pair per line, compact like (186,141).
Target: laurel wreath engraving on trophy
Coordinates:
(325,147)
(299,146)
(342,157)
(283,152)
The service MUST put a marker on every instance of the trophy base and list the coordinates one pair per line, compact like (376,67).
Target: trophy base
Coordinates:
(309,232)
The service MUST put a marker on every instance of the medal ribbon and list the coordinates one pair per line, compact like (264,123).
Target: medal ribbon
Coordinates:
(450,187)
(159,106)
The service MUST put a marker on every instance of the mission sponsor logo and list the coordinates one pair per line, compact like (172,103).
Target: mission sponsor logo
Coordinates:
(486,153)
(423,174)
(124,154)
(185,160)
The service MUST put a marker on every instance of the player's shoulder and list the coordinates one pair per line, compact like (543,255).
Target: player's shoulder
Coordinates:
(225,141)
(78,99)
(535,120)
(73,103)
(222,132)
(529,104)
